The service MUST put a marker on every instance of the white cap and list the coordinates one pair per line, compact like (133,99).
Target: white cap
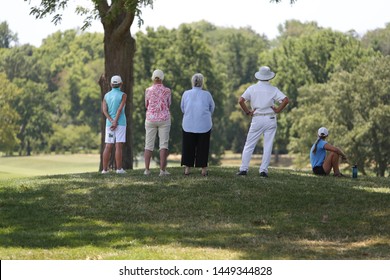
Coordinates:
(158,74)
(322,131)
(116,80)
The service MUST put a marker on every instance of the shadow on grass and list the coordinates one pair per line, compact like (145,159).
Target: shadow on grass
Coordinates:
(291,215)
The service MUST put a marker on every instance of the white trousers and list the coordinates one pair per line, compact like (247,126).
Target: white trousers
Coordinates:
(260,125)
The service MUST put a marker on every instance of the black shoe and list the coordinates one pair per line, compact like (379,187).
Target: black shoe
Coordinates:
(242,173)
(263,174)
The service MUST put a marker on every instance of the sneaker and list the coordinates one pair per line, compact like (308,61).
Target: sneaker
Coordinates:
(263,174)
(147,172)
(105,171)
(164,173)
(242,173)
(120,171)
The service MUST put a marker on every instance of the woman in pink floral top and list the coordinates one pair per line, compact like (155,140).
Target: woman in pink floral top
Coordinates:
(158,119)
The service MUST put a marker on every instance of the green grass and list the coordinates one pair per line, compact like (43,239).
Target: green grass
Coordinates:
(291,215)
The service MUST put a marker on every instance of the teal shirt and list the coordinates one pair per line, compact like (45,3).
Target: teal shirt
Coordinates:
(113,100)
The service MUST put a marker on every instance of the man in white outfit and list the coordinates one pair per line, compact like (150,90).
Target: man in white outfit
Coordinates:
(262,97)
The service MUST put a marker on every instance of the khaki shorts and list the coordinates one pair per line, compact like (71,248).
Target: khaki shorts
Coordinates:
(115,136)
(152,128)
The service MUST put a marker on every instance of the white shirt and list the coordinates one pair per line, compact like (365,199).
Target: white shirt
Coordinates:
(262,96)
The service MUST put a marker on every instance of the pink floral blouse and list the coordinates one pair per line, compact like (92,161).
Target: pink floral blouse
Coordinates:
(157,102)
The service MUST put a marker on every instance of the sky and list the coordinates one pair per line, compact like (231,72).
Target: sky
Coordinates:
(261,15)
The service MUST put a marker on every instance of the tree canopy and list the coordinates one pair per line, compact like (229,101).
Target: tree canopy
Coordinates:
(7,37)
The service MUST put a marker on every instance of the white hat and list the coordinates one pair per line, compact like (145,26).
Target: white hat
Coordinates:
(116,80)
(158,74)
(264,74)
(322,131)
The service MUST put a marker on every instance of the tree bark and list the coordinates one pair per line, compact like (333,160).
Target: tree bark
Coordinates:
(103,87)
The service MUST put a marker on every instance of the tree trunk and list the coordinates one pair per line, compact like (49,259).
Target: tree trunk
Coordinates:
(276,154)
(103,87)
(119,53)
(21,137)
(28,148)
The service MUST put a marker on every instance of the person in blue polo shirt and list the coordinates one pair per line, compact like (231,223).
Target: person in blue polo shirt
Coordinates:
(198,107)
(320,162)
(113,107)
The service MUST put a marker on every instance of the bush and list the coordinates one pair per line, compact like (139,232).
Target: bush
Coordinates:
(73,139)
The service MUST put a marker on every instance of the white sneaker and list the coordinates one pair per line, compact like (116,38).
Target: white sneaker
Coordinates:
(105,171)
(146,172)
(164,173)
(120,171)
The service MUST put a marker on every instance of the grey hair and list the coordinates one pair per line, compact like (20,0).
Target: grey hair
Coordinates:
(197,80)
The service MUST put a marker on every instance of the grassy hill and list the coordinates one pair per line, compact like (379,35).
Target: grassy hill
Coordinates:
(38,165)
(291,215)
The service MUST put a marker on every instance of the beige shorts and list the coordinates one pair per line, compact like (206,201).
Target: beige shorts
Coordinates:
(152,128)
(115,136)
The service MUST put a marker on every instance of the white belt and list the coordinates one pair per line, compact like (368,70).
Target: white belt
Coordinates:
(259,114)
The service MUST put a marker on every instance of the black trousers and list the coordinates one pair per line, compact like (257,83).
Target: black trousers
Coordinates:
(195,149)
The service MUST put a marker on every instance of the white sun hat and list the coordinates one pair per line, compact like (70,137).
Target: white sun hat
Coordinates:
(264,74)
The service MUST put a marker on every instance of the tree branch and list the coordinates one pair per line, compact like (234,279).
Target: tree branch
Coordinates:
(103,8)
(48,7)
(126,23)
(123,12)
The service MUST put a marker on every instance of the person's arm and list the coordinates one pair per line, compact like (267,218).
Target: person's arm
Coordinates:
(182,102)
(146,100)
(105,110)
(118,113)
(242,103)
(336,150)
(169,98)
(281,106)
(212,104)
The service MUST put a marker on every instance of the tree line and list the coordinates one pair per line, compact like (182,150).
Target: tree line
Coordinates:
(50,97)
